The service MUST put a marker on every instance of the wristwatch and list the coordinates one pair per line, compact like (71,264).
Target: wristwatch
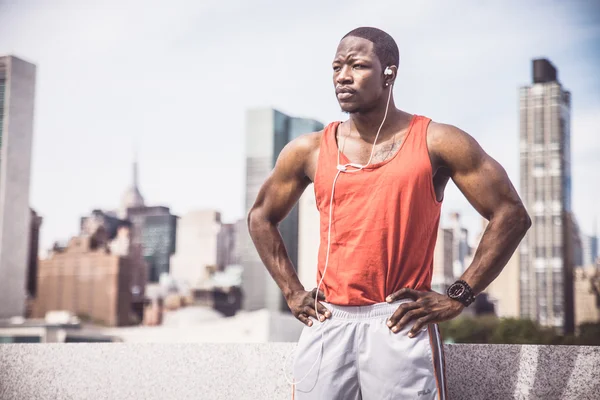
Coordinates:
(461,291)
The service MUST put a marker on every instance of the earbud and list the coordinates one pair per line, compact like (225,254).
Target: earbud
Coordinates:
(388,71)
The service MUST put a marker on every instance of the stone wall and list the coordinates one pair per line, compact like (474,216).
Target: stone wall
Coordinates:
(255,371)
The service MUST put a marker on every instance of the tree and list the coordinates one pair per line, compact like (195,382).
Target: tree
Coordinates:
(491,330)
(589,334)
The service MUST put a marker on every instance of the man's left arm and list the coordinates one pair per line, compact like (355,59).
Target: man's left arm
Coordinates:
(487,187)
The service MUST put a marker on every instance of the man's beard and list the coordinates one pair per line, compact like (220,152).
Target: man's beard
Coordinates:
(352,111)
(358,110)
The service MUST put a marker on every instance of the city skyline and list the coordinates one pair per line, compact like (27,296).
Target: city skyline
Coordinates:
(144,81)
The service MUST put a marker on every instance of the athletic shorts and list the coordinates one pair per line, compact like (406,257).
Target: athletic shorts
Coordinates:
(361,358)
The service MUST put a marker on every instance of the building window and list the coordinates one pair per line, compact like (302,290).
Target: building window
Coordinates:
(538,127)
(539,163)
(540,252)
(557,221)
(556,132)
(538,190)
(539,222)
(524,168)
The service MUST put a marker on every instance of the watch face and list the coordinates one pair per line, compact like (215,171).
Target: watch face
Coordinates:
(456,290)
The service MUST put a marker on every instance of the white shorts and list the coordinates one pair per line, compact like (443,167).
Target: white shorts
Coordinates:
(361,358)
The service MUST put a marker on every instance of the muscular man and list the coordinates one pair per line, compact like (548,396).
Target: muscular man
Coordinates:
(379,181)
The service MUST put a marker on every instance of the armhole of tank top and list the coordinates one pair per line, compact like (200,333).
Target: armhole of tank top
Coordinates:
(429,166)
(322,146)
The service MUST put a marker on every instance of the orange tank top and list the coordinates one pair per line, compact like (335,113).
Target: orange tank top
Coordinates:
(384,224)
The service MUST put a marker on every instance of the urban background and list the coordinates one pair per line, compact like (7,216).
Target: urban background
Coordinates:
(134,139)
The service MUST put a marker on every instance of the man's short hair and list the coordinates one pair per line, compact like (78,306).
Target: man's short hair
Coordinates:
(384,45)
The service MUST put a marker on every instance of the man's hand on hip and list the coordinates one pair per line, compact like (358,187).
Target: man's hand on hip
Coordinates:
(427,308)
(302,304)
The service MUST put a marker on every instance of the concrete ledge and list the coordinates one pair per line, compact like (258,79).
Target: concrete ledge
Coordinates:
(254,371)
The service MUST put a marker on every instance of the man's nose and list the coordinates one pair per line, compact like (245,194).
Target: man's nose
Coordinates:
(344,76)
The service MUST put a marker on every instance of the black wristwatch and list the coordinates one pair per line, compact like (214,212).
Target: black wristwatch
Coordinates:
(461,291)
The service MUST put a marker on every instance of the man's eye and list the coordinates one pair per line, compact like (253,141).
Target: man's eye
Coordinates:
(358,66)
(336,68)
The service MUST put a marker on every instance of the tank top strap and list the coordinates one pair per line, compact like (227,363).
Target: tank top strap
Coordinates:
(327,160)
(415,141)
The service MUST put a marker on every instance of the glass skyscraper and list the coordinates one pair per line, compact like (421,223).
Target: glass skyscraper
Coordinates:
(154,228)
(267,133)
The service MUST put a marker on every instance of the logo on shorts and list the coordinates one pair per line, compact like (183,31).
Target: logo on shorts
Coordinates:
(424,392)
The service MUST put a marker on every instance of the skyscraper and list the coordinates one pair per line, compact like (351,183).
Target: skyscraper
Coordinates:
(589,249)
(267,132)
(460,245)
(132,196)
(226,245)
(17,92)
(197,248)
(154,229)
(587,294)
(504,291)
(443,260)
(34,243)
(308,238)
(546,253)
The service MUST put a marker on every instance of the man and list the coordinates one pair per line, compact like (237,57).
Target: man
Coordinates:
(379,180)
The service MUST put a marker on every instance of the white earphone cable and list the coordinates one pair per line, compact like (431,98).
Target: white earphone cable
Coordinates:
(341,168)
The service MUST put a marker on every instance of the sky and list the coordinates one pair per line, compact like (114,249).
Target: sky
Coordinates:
(174,82)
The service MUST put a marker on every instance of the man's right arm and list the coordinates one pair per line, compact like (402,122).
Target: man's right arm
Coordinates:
(277,196)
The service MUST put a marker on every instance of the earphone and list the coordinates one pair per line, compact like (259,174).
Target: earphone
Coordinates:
(340,168)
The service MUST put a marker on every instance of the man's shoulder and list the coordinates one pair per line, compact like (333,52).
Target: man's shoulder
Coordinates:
(298,155)
(440,129)
(450,145)
(306,143)
(442,136)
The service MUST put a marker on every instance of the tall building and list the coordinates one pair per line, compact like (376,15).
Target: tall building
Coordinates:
(118,234)
(443,261)
(308,238)
(197,248)
(17,93)
(577,240)
(86,280)
(504,290)
(589,249)
(267,132)
(34,244)
(587,294)
(460,246)
(227,246)
(154,229)
(546,253)
(132,197)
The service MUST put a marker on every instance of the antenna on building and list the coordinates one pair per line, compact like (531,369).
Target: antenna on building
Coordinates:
(135,162)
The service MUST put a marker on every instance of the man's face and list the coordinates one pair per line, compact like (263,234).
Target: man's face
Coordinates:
(357,75)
